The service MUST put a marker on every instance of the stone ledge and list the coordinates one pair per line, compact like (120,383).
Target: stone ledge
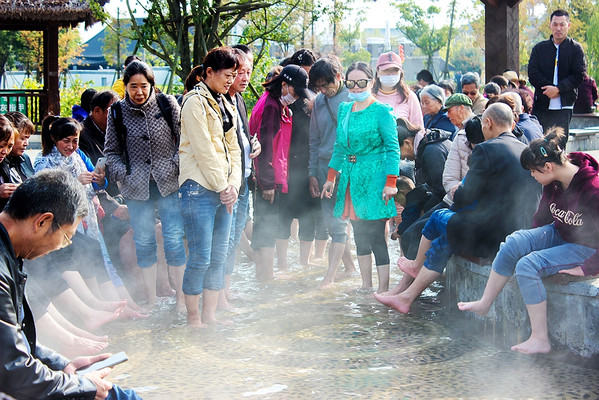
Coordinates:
(573,310)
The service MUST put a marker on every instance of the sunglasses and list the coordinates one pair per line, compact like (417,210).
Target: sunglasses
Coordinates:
(361,83)
(471,93)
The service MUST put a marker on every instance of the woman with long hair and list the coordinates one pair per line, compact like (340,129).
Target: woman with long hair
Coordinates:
(366,156)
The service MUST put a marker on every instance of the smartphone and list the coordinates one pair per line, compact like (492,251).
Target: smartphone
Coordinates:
(100,164)
(111,361)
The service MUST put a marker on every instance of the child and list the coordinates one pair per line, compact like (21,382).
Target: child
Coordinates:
(565,237)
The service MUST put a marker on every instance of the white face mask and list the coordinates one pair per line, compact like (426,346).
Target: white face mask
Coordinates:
(389,80)
(287,99)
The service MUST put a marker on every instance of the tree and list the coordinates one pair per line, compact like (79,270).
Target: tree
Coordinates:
(415,27)
(117,40)
(10,42)
(181,32)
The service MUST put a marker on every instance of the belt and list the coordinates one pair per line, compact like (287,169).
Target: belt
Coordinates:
(367,157)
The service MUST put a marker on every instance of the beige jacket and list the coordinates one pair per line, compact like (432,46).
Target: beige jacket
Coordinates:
(208,155)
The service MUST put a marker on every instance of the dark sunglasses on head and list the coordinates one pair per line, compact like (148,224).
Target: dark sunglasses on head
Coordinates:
(471,93)
(361,83)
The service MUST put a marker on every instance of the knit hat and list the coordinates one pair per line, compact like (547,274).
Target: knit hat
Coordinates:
(388,60)
(434,92)
(457,99)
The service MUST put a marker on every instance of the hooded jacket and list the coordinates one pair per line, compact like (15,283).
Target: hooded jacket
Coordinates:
(575,210)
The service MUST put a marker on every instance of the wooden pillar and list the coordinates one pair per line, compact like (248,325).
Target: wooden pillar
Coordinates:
(51,72)
(501,37)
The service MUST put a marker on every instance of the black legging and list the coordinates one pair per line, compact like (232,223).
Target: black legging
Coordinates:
(369,236)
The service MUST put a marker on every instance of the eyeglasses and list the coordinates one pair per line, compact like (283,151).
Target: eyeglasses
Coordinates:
(471,93)
(361,83)
(66,242)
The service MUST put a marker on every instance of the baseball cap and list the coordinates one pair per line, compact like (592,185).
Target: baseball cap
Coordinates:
(457,99)
(297,77)
(387,60)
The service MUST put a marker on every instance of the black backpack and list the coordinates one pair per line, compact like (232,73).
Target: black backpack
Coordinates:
(166,111)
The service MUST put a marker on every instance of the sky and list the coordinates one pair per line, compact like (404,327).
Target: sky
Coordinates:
(373,12)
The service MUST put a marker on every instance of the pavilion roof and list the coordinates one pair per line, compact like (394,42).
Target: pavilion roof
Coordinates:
(65,12)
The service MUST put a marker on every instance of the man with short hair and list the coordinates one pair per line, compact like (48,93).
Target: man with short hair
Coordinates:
(531,127)
(41,216)
(326,77)
(497,197)
(459,109)
(470,87)
(425,78)
(556,69)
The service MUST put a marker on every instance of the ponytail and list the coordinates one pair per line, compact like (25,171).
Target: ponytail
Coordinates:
(545,150)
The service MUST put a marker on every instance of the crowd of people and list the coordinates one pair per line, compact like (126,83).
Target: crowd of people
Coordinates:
(169,189)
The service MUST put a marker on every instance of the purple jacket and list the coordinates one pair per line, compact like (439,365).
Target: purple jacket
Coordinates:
(587,96)
(575,211)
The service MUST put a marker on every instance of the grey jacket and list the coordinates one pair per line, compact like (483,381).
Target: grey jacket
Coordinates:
(153,154)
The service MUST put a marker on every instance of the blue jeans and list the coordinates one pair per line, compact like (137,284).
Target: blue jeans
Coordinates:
(143,220)
(436,231)
(537,253)
(116,393)
(207,225)
(240,217)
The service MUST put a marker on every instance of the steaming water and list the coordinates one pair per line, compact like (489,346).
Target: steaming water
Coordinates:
(291,341)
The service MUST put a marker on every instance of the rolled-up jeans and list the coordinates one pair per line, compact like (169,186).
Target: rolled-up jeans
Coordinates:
(337,227)
(241,211)
(143,221)
(534,254)
(207,226)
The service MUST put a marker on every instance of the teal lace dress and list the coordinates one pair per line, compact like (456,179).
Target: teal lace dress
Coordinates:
(366,151)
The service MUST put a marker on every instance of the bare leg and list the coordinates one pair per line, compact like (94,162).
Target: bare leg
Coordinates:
(80,288)
(70,345)
(66,324)
(294,229)
(175,274)
(348,260)
(538,342)
(163,287)
(383,275)
(249,228)
(320,247)
(129,260)
(265,263)
(91,318)
(404,300)
(412,267)
(244,246)
(281,246)
(210,302)
(149,279)
(335,253)
(305,252)
(192,303)
(365,263)
(404,283)
(494,286)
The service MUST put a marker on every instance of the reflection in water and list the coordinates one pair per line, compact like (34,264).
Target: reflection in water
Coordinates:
(292,341)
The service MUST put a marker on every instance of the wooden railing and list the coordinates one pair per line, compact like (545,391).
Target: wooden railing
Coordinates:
(29,102)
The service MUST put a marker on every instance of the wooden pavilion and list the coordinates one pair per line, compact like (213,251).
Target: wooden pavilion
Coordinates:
(47,16)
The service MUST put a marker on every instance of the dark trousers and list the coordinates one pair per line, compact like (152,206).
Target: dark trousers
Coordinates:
(549,118)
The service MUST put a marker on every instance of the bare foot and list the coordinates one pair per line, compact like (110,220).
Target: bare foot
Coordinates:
(395,302)
(533,346)
(129,313)
(325,285)
(214,321)
(109,305)
(351,271)
(283,276)
(82,347)
(408,266)
(165,291)
(474,306)
(100,318)
(195,322)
